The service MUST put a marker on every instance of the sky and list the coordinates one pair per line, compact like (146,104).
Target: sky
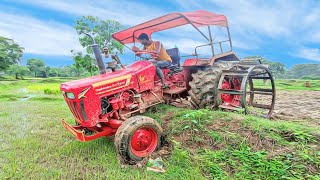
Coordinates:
(287,31)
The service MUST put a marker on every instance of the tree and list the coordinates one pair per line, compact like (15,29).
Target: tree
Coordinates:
(53,72)
(10,53)
(276,68)
(36,66)
(101,30)
(18,71)
(84,61)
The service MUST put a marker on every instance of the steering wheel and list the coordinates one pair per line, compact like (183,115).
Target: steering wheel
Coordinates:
(153,55)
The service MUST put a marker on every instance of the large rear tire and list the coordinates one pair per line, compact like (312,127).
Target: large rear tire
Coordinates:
(137,138)
(204,84)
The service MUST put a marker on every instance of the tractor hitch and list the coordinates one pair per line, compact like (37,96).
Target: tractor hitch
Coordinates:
(79,132)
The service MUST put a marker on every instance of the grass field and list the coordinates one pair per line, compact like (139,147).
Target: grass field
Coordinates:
(207,144)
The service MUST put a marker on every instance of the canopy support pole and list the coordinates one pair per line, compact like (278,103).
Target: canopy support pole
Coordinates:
(199,30)
(211,41)
(229,38)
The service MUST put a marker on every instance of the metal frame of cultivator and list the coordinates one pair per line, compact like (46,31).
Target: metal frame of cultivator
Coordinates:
(233,88)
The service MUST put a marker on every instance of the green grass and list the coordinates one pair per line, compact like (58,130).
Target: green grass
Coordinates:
(292,84)
(207,144)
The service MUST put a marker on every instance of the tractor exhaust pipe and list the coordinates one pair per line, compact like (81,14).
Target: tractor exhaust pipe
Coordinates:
(97,54)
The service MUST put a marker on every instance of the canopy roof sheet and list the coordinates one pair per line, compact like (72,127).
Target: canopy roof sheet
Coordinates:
(196,19)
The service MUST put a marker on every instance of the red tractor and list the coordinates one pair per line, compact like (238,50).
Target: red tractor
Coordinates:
(108,104)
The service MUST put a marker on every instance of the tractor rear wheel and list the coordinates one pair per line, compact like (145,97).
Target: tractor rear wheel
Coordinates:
(204,84)
(137,138)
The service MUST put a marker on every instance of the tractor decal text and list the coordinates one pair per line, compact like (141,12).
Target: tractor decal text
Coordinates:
(113,86)
(111,80)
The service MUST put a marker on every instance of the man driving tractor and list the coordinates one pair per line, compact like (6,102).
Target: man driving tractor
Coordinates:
(162,59)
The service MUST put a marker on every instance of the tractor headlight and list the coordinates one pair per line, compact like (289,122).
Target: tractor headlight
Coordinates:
(70,95)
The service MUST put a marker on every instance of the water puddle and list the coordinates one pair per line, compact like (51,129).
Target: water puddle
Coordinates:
(27,97)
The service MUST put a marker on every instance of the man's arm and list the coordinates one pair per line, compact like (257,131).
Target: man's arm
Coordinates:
(158,48)
(157,51)
(135,49)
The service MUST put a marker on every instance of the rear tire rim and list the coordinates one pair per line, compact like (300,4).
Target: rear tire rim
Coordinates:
(143,142)
(228,99)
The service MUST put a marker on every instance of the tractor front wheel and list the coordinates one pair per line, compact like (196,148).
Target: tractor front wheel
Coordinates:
(137,138)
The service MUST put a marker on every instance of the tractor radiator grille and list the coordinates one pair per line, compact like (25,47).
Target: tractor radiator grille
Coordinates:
(83,112)
(74,109)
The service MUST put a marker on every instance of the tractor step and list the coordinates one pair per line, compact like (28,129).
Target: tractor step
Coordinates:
(176,90)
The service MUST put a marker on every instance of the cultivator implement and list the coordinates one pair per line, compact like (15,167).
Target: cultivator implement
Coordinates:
(247,87)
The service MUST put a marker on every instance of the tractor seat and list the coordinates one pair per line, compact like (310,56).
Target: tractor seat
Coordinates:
(175,56)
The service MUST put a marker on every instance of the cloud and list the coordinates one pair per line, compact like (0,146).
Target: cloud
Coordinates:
(47,37)
(39,37)
(253,24)
(270,18)
(126,12)
(309,53)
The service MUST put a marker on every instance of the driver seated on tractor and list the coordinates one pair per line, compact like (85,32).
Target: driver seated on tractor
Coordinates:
(161,61)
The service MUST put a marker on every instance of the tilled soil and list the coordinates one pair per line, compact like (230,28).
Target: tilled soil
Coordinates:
(297,105)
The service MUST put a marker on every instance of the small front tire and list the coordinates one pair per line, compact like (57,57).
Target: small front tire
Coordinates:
(137,138)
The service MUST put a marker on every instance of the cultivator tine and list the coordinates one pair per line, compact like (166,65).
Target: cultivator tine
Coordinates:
(261,91)
(262,106)
(259,77)
(233,92)
(258,74)
(234,72)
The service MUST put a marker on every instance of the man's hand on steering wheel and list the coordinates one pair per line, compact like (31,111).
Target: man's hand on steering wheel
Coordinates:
(154,55)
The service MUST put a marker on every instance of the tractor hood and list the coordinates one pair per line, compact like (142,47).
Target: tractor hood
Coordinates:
(108,79)
(96,80)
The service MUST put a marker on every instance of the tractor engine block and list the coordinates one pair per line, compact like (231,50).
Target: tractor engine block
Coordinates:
(122,105)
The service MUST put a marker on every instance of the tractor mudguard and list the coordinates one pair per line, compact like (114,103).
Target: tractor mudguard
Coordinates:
(196,62)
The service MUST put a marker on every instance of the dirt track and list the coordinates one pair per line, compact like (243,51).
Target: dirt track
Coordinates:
(298,105)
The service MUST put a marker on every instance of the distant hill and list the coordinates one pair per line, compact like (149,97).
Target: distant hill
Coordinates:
(303,71)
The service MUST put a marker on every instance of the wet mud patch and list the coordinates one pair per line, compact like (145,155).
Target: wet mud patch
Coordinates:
(297,105)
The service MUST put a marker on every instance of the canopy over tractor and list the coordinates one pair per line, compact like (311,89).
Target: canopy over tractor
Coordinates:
(108,104)
(172,20)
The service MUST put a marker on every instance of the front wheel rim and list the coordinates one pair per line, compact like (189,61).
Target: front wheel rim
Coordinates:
(143,142)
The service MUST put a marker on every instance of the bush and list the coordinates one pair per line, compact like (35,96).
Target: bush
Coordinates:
(51,91)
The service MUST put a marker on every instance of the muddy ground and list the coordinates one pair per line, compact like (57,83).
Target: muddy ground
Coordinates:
(297,105)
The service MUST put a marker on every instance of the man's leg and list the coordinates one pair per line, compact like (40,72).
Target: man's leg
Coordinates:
(159,65)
